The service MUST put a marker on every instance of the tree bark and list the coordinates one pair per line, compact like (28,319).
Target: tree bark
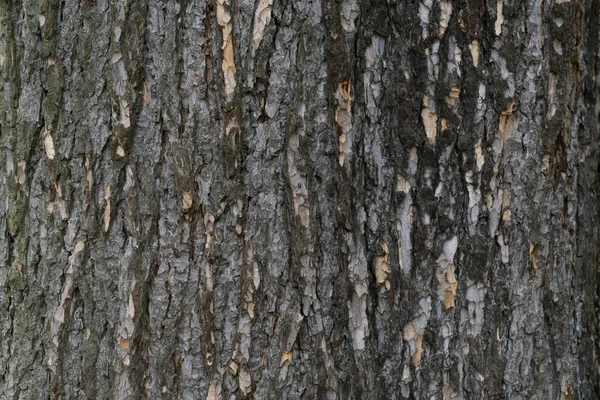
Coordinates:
(299,199)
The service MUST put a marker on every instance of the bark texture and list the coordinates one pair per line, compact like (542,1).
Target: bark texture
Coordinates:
(299,199)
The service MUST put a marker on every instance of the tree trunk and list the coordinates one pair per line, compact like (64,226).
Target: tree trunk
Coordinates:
(299,199)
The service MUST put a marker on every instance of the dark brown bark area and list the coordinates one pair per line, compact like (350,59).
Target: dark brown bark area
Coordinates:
(285,199)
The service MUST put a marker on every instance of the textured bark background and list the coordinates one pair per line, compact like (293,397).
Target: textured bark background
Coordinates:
(299,199)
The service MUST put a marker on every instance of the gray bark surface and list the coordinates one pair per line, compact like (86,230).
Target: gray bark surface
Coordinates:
(299,199)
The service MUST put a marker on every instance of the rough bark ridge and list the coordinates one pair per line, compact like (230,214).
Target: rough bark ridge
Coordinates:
(284,199)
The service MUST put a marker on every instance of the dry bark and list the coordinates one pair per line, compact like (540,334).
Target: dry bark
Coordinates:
(299,199)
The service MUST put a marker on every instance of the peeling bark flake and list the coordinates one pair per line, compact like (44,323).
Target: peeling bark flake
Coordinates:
(402,185)
(533,256)
(286,358)
(49,146)
(499,18)
(479,158)
(382,267)
(344,90)
(107,210)
(429,120)
(78,247)
(187,201)
(447,284)
(474,48)
(416,358)
(262,17)
(414,330)
(212,392)
(227,64)
(452,96)
(445,14)
(505,122)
